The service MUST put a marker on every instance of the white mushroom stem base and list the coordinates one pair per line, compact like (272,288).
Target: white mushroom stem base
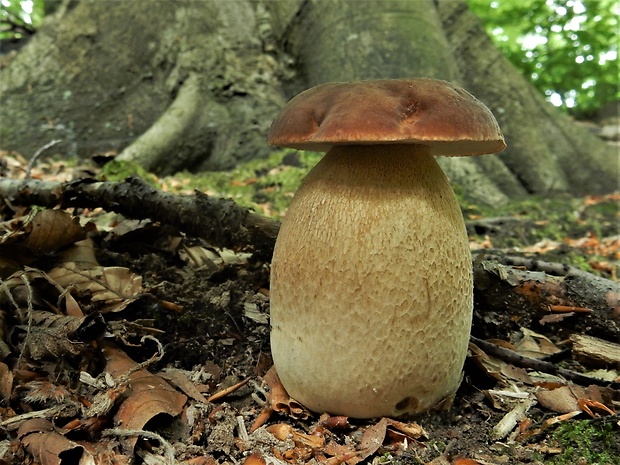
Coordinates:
(371,285)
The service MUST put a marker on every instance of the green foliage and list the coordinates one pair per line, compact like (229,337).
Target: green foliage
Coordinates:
(19,17)
(587,443)
(567,48)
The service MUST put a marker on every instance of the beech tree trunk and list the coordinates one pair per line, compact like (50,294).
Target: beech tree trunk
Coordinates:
(195,84)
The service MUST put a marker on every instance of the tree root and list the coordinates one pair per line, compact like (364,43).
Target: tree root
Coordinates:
(188,129)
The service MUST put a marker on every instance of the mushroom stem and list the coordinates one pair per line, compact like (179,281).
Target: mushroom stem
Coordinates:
(371,286)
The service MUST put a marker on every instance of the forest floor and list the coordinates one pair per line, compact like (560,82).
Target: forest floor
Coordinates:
(125,341)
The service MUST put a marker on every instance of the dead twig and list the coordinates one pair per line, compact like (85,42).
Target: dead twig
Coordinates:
(521,361)
(228,390)
(38,153)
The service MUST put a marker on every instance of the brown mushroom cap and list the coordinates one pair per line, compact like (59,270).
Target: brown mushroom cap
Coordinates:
(431,112)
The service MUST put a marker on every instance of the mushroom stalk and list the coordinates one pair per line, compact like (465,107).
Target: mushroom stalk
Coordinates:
(371,287)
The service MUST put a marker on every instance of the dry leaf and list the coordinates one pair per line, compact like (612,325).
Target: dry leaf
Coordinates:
(115,287)
(460,461)
(180,379)
(560,400)
(490,366)
(49,447)
(254,459)
(390,433)
(6,382)
(149,395)
(411,430)
(53,229)
(566,399)
(283,432)
(82,253)
(373,438)
(535,345)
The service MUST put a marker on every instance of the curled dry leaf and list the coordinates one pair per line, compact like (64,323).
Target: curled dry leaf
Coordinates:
(149,395)
(114,287)
(49,447)
(283,431)
(411,430)
(279,398)
(306,446)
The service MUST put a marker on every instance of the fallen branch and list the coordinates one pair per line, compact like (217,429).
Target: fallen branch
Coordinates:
(221,222)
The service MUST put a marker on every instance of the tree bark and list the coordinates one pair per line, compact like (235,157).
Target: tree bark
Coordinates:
(546,150)
(195,85)
(98,75)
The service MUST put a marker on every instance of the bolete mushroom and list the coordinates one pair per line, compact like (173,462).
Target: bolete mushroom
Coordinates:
(371,278)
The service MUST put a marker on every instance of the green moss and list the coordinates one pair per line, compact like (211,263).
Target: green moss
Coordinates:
(117,170)
(586,443)
(266,185)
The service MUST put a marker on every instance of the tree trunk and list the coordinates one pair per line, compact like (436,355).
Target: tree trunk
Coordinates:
(195,85)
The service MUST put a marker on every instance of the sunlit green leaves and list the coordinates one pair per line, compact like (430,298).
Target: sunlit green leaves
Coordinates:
(19,17)
(568,48)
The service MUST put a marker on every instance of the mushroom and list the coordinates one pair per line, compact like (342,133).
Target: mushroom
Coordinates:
(371,277)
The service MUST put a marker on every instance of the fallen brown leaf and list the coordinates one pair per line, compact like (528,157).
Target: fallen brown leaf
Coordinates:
(49,447)
(180,379)
(114,287)
(6,382)
(570,398)
(373,438)
(148,395)
(51,230)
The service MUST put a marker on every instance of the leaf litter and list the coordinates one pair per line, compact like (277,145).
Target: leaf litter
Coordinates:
(125,341)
